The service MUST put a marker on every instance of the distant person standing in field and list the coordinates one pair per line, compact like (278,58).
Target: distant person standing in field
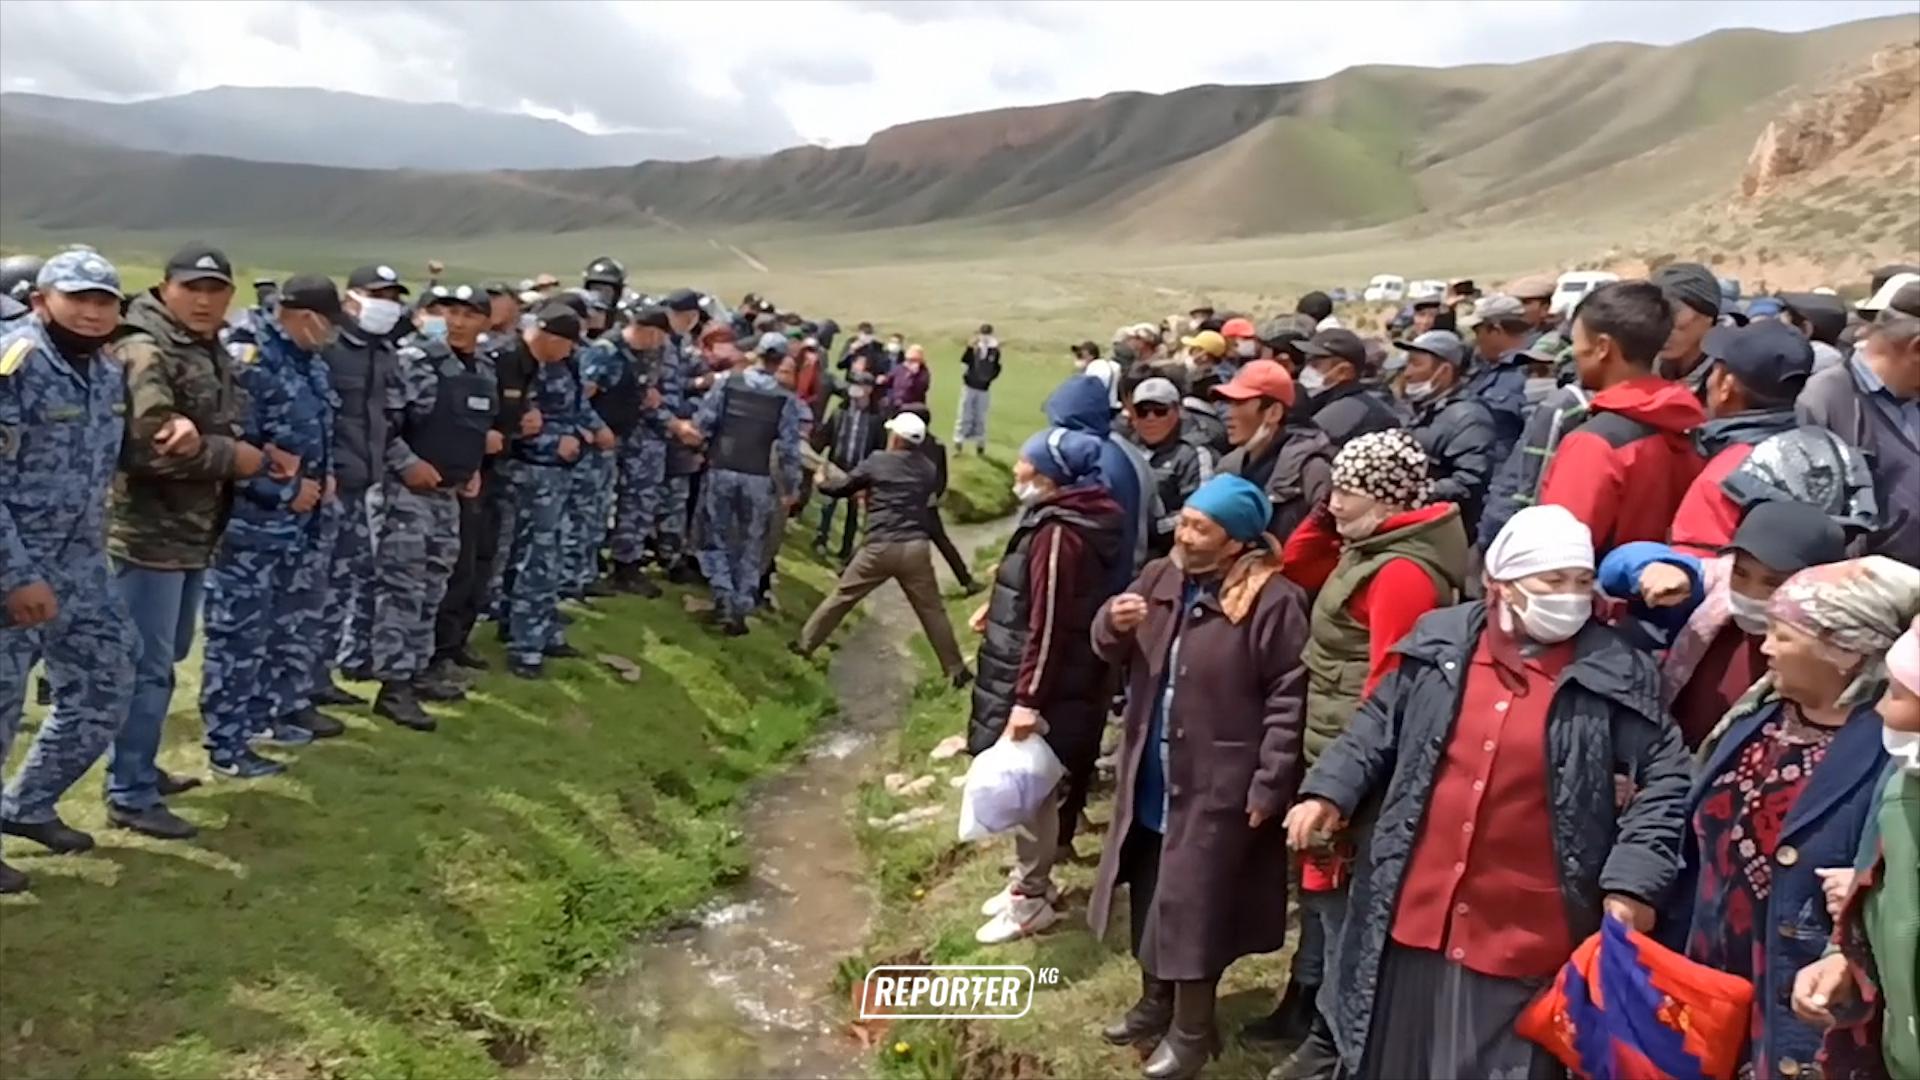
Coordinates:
(910,381)
(982,362)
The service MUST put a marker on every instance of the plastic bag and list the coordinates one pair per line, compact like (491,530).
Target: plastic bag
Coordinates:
(1006,784)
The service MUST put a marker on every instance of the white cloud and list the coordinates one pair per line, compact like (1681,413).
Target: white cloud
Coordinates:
(758,75)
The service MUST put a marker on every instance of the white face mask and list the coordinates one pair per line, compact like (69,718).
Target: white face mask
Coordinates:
(433,326)
(1903,747)
(1246,348)
(1749,615)
(1363,526)
(1420,391)
(1029,493)
(377,315)
(1551,618)
(1311,380)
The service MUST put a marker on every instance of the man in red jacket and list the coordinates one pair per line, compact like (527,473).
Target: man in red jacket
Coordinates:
(1758,371)
(1624,471)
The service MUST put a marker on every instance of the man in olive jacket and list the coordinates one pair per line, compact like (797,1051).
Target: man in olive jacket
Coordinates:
(171,498)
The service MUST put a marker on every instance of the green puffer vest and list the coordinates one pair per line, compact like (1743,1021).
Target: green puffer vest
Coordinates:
(1337,659)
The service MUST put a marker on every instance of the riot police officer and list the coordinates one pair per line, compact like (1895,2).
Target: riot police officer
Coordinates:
(17,274)
(618,376)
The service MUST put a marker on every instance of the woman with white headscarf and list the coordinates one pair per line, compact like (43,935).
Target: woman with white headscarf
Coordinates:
(1502,715)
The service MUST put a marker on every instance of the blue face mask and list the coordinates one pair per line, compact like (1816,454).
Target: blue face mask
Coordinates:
(434,326)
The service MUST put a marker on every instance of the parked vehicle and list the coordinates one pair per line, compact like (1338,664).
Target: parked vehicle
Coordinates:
(1426,289)
(1575,284)
(1385,289)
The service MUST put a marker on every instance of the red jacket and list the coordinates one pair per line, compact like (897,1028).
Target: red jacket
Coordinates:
(1707,516)
(1390,601)
(1625,471)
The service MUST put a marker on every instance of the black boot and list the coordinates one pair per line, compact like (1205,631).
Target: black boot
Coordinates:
(600,590)
(398,704)
(636,581)
(1192,1040)
(56,835)
(171,784)
(1317,1059)
(1289,1021)
(332,693)
(318,723)
(1149,1017)
(465,657)
(440,682)
(11,880)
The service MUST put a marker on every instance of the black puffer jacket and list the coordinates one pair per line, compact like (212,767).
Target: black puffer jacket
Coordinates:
(1349,411)
(1457,433)
(1605,719)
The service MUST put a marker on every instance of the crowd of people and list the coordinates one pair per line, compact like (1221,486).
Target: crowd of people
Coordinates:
(341,484)
(1467,644)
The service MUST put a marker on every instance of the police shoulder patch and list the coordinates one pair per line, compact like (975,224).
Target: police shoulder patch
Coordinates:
(244,353)
(15,356)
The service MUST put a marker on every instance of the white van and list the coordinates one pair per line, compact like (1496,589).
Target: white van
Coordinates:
(1385,289)
(1576,284)
(1427,289)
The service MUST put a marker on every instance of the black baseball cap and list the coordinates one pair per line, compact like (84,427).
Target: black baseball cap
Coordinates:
(312,292)
(1344,344)
(651,315)
(500,288)
(559,319)
(574,302)
(198,262)
(1788,536)
(473,296)
(376,278)
(681,300)
(1768,357)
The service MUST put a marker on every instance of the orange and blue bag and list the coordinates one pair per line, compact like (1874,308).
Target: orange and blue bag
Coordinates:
(1626,1008)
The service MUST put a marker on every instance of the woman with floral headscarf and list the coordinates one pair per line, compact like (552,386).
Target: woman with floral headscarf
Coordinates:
(1788,783)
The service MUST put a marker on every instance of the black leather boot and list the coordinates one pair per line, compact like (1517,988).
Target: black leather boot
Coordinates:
(1192,1040)
(1317,1059)
(1289,1021)
(1149,1017)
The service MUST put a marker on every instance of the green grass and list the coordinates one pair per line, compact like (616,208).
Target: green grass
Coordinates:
(406,905)
(930,888)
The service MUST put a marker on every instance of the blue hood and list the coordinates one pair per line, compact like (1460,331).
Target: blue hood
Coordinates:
(1082,404)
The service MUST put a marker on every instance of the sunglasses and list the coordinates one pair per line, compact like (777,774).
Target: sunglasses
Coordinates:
(1154,409)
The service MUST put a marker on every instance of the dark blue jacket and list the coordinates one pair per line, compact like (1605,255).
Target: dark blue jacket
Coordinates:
(1501,386)
(1822,830)
(1084,404)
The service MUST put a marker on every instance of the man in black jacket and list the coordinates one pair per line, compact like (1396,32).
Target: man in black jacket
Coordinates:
(1454,429)
(854,432)
(898,481)
(937,525)
(1156,425)
(1343,404)
(982,361)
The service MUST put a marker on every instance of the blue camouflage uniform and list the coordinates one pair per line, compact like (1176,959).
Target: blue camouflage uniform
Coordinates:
(542,480)
(590,507)
(498,349)
(60,432)
(443,407)
(266,590)
(640,457)
(738,501)
(662,479)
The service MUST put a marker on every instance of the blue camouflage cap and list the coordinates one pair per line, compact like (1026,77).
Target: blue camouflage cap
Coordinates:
(771,344)
(80,270)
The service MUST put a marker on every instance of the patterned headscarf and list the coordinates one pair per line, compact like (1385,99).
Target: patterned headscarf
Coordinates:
(1387,465)
(1860,605)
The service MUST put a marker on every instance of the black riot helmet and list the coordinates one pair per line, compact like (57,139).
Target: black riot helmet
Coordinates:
(17,275)
(605,270)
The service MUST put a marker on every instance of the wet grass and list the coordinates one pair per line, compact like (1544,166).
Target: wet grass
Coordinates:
(406,905)
(931,887)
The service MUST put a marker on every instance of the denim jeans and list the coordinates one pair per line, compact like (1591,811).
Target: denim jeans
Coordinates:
(164,605)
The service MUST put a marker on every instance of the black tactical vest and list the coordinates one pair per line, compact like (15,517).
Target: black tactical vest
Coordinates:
(513,370)
(453,437)
(619,404)
(749,426)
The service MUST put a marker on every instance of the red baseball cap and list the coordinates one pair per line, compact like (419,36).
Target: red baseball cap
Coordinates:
(1259,379)
(1237,328)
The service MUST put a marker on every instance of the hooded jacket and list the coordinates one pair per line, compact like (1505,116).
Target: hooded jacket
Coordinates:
(1350,410)
(1295,469)
(1082,404)
(1705,521)
(1624,471)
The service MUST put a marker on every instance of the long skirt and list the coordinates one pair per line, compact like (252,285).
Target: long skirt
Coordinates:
(1433,1018)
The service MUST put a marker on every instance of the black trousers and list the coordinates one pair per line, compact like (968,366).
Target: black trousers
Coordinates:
(467,587)
(937,532)
(1140,869)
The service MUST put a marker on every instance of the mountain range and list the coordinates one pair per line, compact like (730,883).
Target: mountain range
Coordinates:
(1625,129)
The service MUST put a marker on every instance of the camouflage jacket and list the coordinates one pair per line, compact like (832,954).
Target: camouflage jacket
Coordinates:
(168,511)
(290,404)
(60,432)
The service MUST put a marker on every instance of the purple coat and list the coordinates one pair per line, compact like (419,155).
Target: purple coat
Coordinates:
(907,386)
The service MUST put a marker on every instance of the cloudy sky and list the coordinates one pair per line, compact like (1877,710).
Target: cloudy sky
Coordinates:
(758,76)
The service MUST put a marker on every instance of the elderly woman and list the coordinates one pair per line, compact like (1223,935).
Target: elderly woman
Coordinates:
(1377,557)
(1211,636)
(1866,989)
(1503,716)
(1037,673)
(1788,784)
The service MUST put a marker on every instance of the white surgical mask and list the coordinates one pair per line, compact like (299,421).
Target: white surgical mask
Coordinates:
(433,326)
(377,315)
(1420,391)
(1538,389)
(1551,618)
(1749,615)
(1311,380)
(1363,526)
(1029,493)
(1246,348)
(1903,747)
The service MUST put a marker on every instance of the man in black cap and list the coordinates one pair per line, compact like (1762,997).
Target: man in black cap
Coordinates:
(443,404)
(1694,295)
(364,371)
(1755,373)
(1344,403)
(504,309)
(617,372)
(665,516)
(642,499)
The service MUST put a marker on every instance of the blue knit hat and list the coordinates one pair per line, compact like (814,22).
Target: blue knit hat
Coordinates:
(1235,505)
(1064,457)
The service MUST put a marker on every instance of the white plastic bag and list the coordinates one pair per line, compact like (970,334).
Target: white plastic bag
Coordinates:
(1006,784)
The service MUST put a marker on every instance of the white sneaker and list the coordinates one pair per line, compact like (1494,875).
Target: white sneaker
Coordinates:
(998,902)
(1024,917)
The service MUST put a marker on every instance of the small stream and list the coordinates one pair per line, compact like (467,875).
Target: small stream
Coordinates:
(746,988)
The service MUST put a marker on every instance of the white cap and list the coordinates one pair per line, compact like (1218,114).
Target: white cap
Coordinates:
(1885,296)
(909,427)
